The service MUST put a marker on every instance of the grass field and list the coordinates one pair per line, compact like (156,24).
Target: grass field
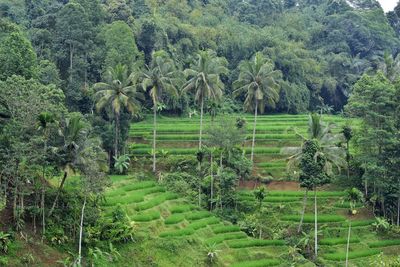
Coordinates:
(179,136)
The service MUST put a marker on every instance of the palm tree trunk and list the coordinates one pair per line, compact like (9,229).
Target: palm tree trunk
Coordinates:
(254,132)
(348,245)
(116,134)
(201,121)
(348,160)
(71,55)
(81,232)
(303,212)
(43,212)
(58,193)
(154,136)
(398,211)
(315,223)
(212,183)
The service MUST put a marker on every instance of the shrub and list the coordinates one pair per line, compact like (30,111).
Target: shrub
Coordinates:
(225,229)
(176,218)
(340,256)
(308,218)
(181,208)
(198,215)
(255,243)
(384,243)
(258,263)
(178,233)
(337,241)
(5,240)
(203,223)
(146,217)
(227,236)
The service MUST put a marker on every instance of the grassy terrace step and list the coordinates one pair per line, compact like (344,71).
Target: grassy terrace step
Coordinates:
(156,201)
(130,187)
(197,215)
(225,236)
(182,208)
(255,243)
(359,223)
(277,193)
(341,256)
(309,218)
(258,263)
(384,243)
(146,216)
(202,223)
(225,229)
(338,241)
(175,218)
(178,233)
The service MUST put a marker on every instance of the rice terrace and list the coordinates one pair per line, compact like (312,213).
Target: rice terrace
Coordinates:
(200,133)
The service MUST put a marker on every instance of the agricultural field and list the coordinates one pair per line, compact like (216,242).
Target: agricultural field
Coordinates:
(178,229)
(333,223)
(179,136)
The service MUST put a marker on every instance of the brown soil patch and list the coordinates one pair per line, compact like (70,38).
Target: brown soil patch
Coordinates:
(284,185)
(362,214)
(249,184)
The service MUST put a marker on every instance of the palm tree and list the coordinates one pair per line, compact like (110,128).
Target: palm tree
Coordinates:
(321,133)
(160,78)
(204,80)
(259,82)
(390,66)
(117,92)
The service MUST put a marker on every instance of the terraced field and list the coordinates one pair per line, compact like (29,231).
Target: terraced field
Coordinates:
(179,136)
(167,217)
(333,222)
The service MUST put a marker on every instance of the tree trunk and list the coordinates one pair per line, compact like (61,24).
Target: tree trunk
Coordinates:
(303,212)
(43,212)
(212,183)
(348,245)
(116,134)
(58,193)
(348,161)
(81,232)
(254,132)
(315,223)
(201,121)
(398,211)
(71,54)
(154,135)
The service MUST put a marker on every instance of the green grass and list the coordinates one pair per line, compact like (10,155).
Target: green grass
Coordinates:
(156,201)
(255,243)
(147,217)
(384,243)
(202,223)
(181,208)
(125,199)
(175,218)
(346,205)
(197,215)
(309,218)
(178,233)
(258,263)
(281,199)
(337,241)
(359,223)
(340,256)
(225,229)
(226,236)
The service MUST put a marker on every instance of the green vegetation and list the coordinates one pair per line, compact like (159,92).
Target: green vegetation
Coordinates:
(337,241)
(255,243)
(225,229)
(147,216)
(384,243)
(352,255)
(257,263)
(176,218)
(310,218)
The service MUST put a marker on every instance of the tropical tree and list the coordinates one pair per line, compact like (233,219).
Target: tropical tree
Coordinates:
(260,83)
(121,163)
(348,135)
(259,195)
(117,92)
(161,78)
(205,81)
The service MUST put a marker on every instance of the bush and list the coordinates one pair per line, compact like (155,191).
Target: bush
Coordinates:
(5,241)
(255,243)
(203,223)
(227,236)
(176,218)
(337,241)
(146,217)
(178,233)
(225,229)
(340,256)
(258,263)
(384,243)
(309,218)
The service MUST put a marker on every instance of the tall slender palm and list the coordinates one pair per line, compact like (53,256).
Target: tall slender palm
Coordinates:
(160,77)
(259,82)
(117,92)
(204,80)
(328,147)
